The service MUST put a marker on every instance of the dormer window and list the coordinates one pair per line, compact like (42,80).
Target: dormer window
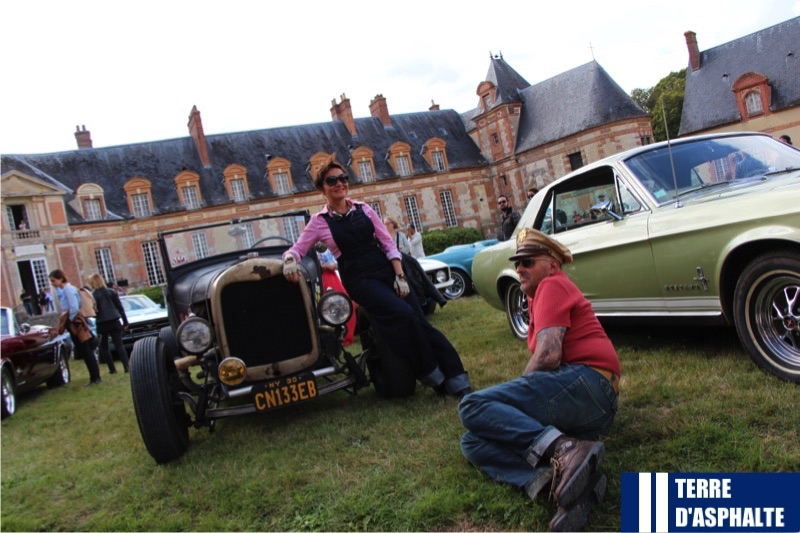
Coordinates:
(364,167)
(400,160)
(753,103)
(486,103)
(140,201)
(236,183)
(486,92)
(91,201)
(279,175)
(188,185)
(435,154)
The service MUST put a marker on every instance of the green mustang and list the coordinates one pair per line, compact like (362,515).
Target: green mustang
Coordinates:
(701,228)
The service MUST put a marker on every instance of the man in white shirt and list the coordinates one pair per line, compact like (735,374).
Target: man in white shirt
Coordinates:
(416,241)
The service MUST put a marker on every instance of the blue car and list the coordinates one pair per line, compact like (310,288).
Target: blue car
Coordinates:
(459,259)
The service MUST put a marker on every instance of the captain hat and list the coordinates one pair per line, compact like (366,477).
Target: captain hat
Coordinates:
(531,243)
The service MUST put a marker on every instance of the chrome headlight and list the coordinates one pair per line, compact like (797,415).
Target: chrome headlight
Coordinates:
(195,335)
(335,308)
(441,276)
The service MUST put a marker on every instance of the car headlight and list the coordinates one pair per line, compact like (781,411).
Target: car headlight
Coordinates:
(195,335)
(441,276)
(335,308)
(232,371)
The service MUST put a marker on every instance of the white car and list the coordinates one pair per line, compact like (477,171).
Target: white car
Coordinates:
(439,274)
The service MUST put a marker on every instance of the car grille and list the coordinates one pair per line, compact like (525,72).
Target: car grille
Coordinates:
(143,329)
(265,321)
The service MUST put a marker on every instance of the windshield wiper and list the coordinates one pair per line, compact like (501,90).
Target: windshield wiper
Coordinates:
(704,186)
(783,171)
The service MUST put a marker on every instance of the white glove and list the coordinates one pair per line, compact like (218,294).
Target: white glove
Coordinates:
(290,266)
(401,286)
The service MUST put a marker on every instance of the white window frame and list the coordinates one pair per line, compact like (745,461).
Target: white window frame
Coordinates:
(403,166)
(40,274)
(282,183)
(376,206)
(105,265)
(200,245)
(92,209)
(753,103)
(291,229)
(190,198)
(365,171)
(141,205)
(412,212)
(152,263)
(238,190)
(438,160)
(448,208)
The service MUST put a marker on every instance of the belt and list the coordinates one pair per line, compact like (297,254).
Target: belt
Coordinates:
(610,376)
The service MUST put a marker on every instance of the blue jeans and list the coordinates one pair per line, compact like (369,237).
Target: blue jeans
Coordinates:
(511,426)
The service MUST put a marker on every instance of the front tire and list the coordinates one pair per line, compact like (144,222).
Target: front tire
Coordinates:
(462,285)
(517,310)
(392,376)
(160,412)
(767,313)
(62,375)
(9,394)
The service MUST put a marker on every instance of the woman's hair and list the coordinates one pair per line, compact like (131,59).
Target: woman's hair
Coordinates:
(320,179)
(96,281)
(58,274)
(389,220)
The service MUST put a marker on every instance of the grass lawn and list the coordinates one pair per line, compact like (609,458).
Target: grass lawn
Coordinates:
(692,401)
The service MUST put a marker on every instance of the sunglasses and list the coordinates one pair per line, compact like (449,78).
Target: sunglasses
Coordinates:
(501,202)
(330,181)
(528,262)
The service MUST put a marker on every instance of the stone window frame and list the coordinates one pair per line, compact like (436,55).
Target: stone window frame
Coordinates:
(280,166)
(433,146)
(487,93)
(752,85)
(91,192)
(236,173)
(397,151)
(363,158)
(139,186)
(189,180)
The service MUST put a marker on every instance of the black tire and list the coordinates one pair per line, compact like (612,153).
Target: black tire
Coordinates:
(62,375)
(167,336)
(391,375)
(517,310)
(9,394)
(462,285)
(160,412)
(766,312)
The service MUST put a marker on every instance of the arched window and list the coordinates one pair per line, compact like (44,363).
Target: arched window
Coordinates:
(279,174)
(236,185)
(92,201)
(140,201)
(188,186)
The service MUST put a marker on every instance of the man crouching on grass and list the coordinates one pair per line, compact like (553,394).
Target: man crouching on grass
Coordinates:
(538,430)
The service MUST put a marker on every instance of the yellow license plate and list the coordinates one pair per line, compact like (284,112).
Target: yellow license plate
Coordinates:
(284,391)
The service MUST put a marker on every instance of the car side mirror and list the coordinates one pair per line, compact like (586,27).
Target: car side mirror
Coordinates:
(25,328)
(603,210)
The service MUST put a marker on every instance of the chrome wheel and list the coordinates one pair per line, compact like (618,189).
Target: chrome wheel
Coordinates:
(517,310)
(9,401)
(462,285)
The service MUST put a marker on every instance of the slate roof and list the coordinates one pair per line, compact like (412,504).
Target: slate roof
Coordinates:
(772,52)
(577,100)
(161,161)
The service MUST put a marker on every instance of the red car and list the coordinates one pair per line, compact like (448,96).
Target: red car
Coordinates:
(29,358)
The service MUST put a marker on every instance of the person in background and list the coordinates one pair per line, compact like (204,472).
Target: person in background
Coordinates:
(331,281)
(508,219)
(109,314)
(400,239)
(785,139)
(372,273)
(539,429)
(70,302)
(27,301)
(531,193)
(415,240)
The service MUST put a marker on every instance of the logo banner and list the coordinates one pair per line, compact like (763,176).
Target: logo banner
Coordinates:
(663,502)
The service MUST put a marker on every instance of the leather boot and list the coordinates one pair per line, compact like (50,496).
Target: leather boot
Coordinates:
(576,517)
(574,461)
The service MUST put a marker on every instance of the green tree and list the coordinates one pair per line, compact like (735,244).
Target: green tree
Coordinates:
(665,98)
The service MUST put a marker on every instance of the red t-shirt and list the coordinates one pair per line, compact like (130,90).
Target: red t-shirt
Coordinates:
(559,303)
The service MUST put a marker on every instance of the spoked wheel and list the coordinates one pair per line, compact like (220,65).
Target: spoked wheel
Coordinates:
(462,285)
(517,310)
(160,412)
(391,375)
(767,313)
(9,400)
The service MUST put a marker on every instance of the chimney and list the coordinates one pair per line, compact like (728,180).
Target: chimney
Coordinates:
(378,108)
(196,131)
(342,111)
(694,51)
(83,137)
(434,106)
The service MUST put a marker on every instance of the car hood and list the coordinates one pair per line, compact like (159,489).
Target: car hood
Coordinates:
(145,315)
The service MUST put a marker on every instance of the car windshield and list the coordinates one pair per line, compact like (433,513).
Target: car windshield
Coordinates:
(5,326)
(137,303)
(709,162)
(193,244)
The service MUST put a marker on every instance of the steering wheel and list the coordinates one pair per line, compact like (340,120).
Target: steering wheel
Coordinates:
(275,237)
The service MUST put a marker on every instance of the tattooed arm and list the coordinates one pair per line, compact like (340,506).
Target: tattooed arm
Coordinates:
(547,355)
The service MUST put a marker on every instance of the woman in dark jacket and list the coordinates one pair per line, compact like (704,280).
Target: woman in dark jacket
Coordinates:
(109,313)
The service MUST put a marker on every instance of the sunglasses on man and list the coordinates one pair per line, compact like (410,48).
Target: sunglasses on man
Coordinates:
(528,262)
(330,181)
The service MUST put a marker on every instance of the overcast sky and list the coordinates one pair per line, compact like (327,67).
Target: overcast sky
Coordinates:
(131,71)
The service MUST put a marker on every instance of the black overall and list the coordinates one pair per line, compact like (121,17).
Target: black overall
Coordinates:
(369,277)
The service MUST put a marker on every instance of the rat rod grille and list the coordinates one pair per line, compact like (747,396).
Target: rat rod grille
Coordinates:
(266,320)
